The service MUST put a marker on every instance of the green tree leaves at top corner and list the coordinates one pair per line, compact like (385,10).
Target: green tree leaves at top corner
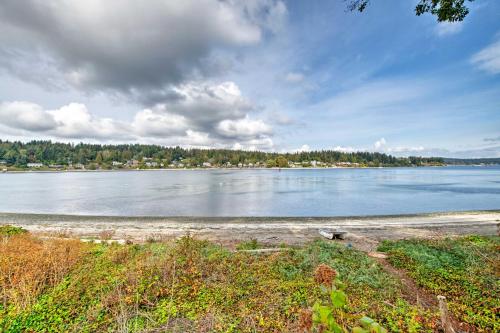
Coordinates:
(444,10)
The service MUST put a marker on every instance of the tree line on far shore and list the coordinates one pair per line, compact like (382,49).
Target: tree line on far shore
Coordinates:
(46,153)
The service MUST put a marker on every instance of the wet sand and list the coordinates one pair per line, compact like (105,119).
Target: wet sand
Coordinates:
(363,232)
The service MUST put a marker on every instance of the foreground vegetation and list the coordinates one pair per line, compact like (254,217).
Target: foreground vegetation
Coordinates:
(93,156)
(62,285)
(465,270)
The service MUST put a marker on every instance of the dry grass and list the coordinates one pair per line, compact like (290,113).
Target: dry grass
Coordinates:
(106,235)
(29,265)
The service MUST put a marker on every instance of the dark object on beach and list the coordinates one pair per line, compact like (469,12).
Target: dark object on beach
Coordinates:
(333,233)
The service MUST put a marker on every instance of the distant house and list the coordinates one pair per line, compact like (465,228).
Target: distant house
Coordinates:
(133,163)
(79,166)
(146,159)
(240,165)
(3,162)
(347,164)
(178,164)
(151,164)
(207,164)
(116,163)
(54,166)
(34,165)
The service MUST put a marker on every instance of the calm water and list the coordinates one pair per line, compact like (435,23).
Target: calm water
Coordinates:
(332,192)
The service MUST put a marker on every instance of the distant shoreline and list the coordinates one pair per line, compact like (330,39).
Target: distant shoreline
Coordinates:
(240,169)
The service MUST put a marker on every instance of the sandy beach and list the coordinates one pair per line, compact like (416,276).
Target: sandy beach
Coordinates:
(363,232)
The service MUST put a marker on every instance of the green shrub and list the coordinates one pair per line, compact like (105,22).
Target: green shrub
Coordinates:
(248,245)
(10,230)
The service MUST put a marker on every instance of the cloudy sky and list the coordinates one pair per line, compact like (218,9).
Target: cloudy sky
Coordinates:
(264,74)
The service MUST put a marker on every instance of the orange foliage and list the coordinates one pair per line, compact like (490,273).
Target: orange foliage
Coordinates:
(324,275)
(305,320)
(29,265)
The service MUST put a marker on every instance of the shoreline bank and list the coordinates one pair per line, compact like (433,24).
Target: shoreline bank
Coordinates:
(362,231)
(228,169)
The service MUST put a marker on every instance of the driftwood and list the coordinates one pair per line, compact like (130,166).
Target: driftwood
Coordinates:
(333,233)
(445,318)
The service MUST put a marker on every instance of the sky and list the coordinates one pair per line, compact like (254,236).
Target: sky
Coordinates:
(266,75)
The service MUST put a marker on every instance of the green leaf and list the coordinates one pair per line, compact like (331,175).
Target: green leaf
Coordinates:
(338,298)
(316,317)
(324,313)
(366,322)
(335,328)
(376,328)
(316,306)
(359,330)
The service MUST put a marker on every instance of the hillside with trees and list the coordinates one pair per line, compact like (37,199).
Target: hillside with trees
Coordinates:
(472,161)
(47,154)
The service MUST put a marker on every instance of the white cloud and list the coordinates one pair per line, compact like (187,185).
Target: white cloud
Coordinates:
(237,146)
(405,149)
(380,144)
(293,77)
(217,109)
(75,122)
(345,149)
(150,123)
(194,138)
(205,104)
(488,59)
(448,28)
(25,116)
(243,128)
(262,143)
(303,148)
